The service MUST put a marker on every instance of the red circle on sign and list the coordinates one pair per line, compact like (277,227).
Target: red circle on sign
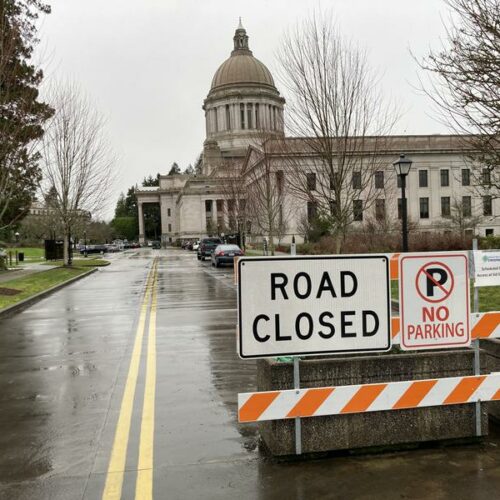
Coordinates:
(447,292)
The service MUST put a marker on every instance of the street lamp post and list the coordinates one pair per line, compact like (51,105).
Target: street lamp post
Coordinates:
(85,243)
(402,167)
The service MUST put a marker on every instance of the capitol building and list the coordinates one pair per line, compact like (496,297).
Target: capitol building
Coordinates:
(245,127)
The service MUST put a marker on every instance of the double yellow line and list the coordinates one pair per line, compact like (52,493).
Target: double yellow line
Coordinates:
(116,468)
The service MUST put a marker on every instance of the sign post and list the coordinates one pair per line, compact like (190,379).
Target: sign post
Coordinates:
(477,352)
(434,298)
(299,306)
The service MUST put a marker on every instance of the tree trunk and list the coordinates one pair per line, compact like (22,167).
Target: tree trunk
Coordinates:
(66,244)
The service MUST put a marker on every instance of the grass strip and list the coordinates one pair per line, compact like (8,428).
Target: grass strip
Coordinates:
(35,283)
(82,263)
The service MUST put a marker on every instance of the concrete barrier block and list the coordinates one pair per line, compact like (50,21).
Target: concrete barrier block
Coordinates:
(371,429)
(492,350)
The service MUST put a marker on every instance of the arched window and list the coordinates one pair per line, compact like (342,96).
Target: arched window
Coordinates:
(228,117)
(242,116)
(250,115)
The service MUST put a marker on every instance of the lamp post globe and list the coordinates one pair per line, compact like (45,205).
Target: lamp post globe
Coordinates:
(402,167)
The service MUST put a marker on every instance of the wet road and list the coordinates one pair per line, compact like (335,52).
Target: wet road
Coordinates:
(126,382)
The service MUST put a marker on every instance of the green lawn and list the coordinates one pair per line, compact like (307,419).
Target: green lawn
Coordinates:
(31,254)
(38,282)
(489,296)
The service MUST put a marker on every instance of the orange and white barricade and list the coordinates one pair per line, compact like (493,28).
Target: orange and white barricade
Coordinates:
(484,326)
(276,405)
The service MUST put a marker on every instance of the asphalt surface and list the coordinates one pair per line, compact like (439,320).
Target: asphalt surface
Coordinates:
(66,373)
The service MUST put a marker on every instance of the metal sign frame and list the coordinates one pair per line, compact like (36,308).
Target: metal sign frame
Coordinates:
(387,347)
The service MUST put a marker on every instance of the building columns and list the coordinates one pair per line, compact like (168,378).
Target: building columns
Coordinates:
(142,238)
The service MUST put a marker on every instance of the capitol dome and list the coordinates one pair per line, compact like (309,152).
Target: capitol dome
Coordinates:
(242,105)
(242,68)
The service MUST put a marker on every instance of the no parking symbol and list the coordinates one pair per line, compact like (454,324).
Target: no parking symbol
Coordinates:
(434,298)
(435,282)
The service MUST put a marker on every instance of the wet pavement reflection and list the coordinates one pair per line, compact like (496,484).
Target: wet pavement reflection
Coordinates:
(63,365)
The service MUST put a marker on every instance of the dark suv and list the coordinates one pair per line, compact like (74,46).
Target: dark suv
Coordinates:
(207,247)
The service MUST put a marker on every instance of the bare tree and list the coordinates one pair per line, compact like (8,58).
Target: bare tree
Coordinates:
(337,113)
(464,83)
(266,201)
(462,218)
(233,191)
(76,159)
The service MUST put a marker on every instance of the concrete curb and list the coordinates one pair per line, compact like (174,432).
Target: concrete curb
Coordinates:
(23,304)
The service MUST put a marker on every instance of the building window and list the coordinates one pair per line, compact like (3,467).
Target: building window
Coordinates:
(489,232)
(379,179)
(274,117)
(445,177)
(400,208)
(208,206)
(168,212)
(487,205)
(250,116)
(465,177)
(170,228)
(423,179)
(445,206)
(311,181)
(220,206)
(380,209)
(356,180)
(357,209)
(228,117)
(424,208)
(466,206)
(333,180)
(311,211)
(242,116)
(333,207)
(257,117)
(486,177)
(280,180)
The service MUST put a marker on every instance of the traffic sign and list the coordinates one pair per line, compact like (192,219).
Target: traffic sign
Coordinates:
(434,299)
(313,305)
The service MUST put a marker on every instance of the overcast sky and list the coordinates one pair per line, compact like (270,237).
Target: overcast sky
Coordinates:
(147,65)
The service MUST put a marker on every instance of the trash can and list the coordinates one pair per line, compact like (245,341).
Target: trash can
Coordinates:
(20,256)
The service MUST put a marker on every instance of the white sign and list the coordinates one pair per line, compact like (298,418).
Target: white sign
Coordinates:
(313,305)
(434,301)
(487,268)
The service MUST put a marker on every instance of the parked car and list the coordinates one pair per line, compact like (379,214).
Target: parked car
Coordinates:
(196,245)
(156,245)
(225,254)
(207,247)
(112,248)
(89,249)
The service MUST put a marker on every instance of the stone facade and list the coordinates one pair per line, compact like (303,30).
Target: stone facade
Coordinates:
(244,108)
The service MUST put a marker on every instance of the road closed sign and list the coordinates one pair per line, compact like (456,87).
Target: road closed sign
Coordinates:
(291,306)
(434,301)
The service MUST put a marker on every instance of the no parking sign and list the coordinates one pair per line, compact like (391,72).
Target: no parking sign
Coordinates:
(434,298)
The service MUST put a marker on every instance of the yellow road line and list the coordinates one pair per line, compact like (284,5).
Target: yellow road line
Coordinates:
(144,485)
(116,468)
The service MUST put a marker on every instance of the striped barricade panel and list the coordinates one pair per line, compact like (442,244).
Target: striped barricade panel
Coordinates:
(275,405)
(484,326)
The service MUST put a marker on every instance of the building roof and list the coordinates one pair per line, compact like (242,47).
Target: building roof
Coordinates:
(242,67)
